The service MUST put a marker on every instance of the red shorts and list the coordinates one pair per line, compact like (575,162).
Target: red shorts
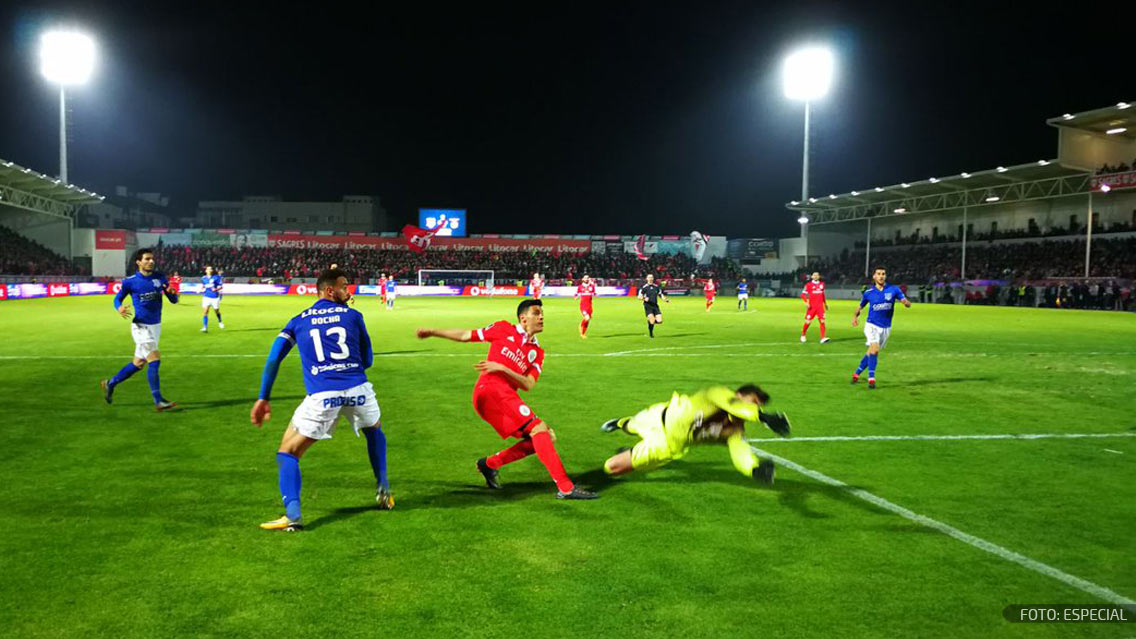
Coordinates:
(501,407)
(586,307)
(814,312)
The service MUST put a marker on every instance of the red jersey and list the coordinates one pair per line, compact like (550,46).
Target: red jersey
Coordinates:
(536,286)
(814,294)
(383,286)
(175,283)
(509,345)
(710,289)
(586,291)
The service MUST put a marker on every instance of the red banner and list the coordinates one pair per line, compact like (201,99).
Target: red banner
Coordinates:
(310,289)
(3,292)
(495,245)
(110,240)
(496,291)
(1106,183)
(58,290)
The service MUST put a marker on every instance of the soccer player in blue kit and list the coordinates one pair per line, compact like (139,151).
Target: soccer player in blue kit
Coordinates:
(335,350)
(211,298)
(880,300)
(145,289)
(743,295)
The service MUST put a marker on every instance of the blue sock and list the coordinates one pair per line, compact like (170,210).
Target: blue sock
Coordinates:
(863,364)
(872,366)
(289,484)
(204,321)
(124,374)
(152,376)
(377,451)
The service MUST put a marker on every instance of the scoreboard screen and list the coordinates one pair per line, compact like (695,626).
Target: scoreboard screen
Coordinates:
(452,221)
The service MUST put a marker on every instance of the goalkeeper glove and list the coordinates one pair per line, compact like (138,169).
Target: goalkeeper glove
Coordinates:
(777,422)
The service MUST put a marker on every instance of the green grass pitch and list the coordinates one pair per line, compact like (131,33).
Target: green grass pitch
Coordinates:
(121,522)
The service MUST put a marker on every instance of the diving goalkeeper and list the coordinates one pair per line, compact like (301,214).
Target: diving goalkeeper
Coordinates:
(716,415)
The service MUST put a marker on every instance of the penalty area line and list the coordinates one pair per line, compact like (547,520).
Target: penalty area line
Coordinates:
(888,438)
(938,526)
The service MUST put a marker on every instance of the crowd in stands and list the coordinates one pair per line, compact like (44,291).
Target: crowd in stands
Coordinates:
(288,263)
(1013,262)
(1033,231)
(21,256)
(1119,168)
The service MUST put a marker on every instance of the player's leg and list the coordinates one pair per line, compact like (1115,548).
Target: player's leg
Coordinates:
(217,312)
(293,445)
(153,366)
(545,449)
(805,328)
(366,418)
(126,372)
(586,314)
(874,354)
(820,320)
(204,314)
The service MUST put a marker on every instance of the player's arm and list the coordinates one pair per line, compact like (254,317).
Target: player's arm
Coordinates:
(171,294)
(805,294)
(454,334)
(365,344)
(863,303)
(122,309)
(526,382)
(261,410)
(664,296)
(903,298)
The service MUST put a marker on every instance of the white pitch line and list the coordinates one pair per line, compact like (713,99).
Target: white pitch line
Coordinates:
(884,438)
(1109,450)
(990,547)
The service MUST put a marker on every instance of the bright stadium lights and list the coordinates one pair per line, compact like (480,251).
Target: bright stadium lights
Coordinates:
(831,196)
(808,73)
(1002,169)
(1043,162)
(1122,105)
(812,200)
(879,189)
(1105,188)
(803,220)
(855,193)
(67,58)
(993,198)
(1067,116)
(900,210)
(965,174)
(1119,129)
(794,203)
(905,185)
(934,180)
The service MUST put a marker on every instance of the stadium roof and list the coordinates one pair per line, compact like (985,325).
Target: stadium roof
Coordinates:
(30,190)
(1118,120)
(1023,182)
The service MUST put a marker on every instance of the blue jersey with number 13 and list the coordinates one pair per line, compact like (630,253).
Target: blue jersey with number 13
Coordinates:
(334,346)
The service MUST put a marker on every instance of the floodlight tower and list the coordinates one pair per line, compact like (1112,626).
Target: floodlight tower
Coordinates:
(67,58)
(807,75)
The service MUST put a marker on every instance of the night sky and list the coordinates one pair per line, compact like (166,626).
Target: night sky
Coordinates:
(599,118)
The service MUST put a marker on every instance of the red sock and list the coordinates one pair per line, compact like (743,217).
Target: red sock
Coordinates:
(584,326)
(822,330)
(520,450)
(805,329)
(546,451)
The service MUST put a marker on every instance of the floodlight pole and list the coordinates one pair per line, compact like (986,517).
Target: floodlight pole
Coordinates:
(805,184)
(868,251)
(1089,235)
(962,270)
(63,134)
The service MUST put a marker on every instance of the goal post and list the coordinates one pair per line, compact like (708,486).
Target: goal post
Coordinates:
(445,277)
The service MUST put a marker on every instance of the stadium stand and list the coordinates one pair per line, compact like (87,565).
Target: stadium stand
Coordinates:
(22,256)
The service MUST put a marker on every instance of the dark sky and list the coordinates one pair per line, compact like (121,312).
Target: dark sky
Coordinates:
(569,118)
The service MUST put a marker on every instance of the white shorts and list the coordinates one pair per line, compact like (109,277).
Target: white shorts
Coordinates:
(390,295)
(145,338)
(211,302)
(317,415)
(876,334)
(743,296)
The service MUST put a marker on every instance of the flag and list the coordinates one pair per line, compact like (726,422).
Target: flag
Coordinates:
(641,248)
(698,243)
(418,239)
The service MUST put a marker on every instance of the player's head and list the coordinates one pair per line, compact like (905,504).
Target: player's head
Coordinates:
(650,278)
(530,315)
(743,280)
(332,285)
(880,275)
(753,394)
(587,278)
(208,270)
(816,276)
(144,260)
(334,267)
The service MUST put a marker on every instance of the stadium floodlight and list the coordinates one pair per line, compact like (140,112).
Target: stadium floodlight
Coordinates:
(906,185)
(934,180)
(807,74)
(1105,188)
(67,58)
(1043,162)
(965,174)
(803,220)
(1002,169)
(1067,116)
(900,210)
(1119,129)
(855,193)
(1122,105)
(993,198)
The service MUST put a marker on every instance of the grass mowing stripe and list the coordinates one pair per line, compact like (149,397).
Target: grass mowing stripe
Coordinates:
(992,548)
(636,354)
(870,438)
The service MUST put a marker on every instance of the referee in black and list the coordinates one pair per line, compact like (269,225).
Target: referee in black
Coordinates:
(650,294)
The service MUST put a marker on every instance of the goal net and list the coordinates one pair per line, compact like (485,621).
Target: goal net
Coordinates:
(437,277)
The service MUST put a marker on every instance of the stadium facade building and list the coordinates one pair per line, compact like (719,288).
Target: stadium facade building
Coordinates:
(1093,174)
(43,209)
(126,209)
(352,213)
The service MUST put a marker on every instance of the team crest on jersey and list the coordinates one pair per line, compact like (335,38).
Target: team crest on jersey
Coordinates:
(887,297)
(532,356)
(525,410)
(511,339)
(156,283)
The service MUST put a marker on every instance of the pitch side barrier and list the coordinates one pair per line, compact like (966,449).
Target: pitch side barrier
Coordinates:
(71,289)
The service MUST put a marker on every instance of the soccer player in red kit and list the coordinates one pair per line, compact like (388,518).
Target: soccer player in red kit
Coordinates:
(711,290)
(383,287)
(816,304)
(585,292)
(537,283)
(175,282)
(514,363)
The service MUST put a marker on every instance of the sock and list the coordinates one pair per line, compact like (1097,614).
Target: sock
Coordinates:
(123,374)
(546,451)
(205,321)
(584,326)
(289,484)
(152,376)
(520,450)
(377,452)
(822,330)
(219,320)
(872,366)
(863,364)
(805,329)
(651,329)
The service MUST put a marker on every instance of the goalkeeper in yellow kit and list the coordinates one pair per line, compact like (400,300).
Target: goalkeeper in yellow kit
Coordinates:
(716,415)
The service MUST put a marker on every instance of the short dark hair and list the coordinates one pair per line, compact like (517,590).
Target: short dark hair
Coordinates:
(329,278)
(525,305)
(879,268)
(142,251)
(754,389)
